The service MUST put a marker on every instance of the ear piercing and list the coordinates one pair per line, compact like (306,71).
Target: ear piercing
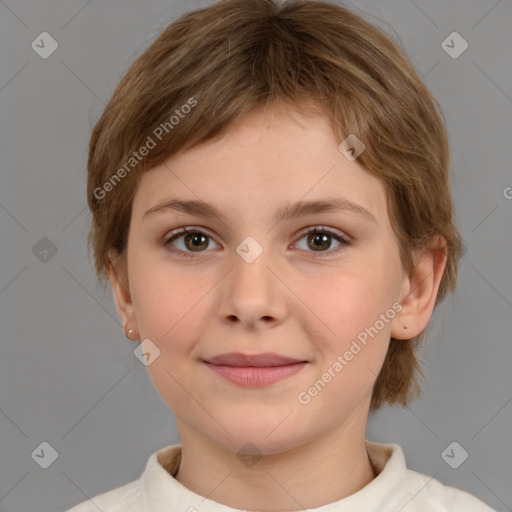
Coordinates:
(129,333)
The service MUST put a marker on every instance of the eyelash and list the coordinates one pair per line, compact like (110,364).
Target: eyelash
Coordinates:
(317,229)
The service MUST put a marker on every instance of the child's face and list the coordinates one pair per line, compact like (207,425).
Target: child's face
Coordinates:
(303,298)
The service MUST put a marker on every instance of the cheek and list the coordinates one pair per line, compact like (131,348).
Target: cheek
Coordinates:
(167,303)
(350,342)
(345,302)
(346,307)
(170,313)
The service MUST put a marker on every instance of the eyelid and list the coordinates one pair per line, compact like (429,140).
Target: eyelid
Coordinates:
(176,233)
(327,229)
(338,235)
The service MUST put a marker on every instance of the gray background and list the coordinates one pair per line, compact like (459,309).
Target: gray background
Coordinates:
(68,375)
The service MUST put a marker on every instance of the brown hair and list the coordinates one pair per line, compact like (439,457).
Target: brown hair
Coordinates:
(211,66)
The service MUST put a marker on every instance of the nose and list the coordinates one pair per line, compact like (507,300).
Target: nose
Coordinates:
(252,294)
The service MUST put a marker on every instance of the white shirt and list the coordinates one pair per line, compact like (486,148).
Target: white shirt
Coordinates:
(394,488)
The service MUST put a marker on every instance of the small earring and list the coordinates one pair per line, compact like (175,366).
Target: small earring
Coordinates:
(130,333)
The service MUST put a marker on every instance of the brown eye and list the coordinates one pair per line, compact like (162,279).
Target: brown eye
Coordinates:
(187,241)
(319,241)
(196,241)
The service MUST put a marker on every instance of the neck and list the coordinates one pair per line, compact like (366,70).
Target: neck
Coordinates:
(333,467)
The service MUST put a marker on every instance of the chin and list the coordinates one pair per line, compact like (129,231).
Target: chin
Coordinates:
(262,435)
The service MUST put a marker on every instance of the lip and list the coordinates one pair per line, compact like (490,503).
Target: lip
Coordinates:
(257,370)
(266,359)
(256,376)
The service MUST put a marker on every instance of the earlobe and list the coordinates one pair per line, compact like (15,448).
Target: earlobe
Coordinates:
(422,286)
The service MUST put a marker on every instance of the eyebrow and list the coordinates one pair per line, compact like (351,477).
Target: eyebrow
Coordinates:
(290,211)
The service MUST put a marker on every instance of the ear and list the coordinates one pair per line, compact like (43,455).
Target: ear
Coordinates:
(117,270)
(419,292)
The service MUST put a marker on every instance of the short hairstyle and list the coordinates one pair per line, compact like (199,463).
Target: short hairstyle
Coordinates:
(211,66)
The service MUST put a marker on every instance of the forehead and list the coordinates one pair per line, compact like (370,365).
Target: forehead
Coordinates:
(264,160)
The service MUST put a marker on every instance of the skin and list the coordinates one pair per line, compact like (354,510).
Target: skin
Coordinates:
(291,300)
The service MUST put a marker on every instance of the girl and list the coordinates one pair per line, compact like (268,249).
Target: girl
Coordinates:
(271,205)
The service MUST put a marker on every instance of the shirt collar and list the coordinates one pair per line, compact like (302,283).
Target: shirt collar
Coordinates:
(161,492)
